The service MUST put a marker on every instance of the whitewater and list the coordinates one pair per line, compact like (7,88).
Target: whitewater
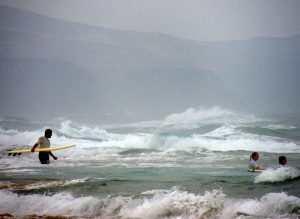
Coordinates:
(191,164)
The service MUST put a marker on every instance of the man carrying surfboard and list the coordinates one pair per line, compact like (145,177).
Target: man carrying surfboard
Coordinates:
(43,142)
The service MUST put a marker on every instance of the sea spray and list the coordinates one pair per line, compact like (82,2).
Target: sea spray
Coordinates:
(176,203)
(271,205)
(58,204)
(280,174)
(162,204)
(194,117)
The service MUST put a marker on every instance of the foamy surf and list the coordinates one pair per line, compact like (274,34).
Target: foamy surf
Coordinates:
(197,150)
(176,204)
(171,204)
(195,117)
(271,205)
(156,148)
(29,185)
(53,184)
(280,174)
(58,204)
(214,129)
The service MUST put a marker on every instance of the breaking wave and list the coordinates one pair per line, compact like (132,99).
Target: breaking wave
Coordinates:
(154,205)
(28,186)
(280,174)
(194,130)
(52,184)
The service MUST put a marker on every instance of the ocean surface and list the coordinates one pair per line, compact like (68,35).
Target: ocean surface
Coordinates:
(188,165)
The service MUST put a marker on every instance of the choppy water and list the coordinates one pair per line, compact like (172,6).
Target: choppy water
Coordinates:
(189,165)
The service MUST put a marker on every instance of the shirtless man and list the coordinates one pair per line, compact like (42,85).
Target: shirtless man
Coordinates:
(43,142)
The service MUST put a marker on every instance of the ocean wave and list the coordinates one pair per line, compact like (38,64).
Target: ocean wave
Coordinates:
(280,174)
(279,127)
(94,143)
(271,205)
(72,131)
(81,136)
(28,186)
(224,139)
(223,131)
(194,117)
(58,204)
(52,184)
(153,205)
(144,148)
(14,137)
(177,204)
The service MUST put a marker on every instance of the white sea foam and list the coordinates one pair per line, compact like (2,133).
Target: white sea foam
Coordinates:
(280,127)
(94,143)
(83,131)
(51,184)
(14,137)
(224,138)
(271,205)
(176,204)
(194,117)
(21,170)
(155,205)
(58,204)
(223,131)
(277,175)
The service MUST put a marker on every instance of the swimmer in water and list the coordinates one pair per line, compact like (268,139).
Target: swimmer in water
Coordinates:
(253,166)
(282,161)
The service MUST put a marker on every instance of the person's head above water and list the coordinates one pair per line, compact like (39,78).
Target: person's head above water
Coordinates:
(282,160)
(48,133)
(254,156)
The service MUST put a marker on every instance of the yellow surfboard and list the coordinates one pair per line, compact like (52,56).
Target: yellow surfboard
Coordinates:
(28,150)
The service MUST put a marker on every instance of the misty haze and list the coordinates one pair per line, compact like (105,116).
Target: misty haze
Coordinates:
(53,68)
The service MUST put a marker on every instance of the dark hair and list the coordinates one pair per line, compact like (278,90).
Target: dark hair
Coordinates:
(48,131)
(282,160)
(254,154)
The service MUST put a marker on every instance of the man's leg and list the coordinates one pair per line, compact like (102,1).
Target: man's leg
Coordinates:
(44,157)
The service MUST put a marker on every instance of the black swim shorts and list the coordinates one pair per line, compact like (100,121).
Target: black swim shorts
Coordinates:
(44,157)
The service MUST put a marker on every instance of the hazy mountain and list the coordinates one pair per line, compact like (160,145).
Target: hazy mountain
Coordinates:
(263,72)
(53,68)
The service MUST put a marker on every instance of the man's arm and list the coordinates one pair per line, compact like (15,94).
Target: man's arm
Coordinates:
(52,155)
(259,167)
(34,146)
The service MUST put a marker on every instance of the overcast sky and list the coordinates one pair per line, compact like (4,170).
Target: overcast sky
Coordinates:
(200,20)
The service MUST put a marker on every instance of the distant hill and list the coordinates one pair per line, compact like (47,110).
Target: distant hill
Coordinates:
(54,68)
